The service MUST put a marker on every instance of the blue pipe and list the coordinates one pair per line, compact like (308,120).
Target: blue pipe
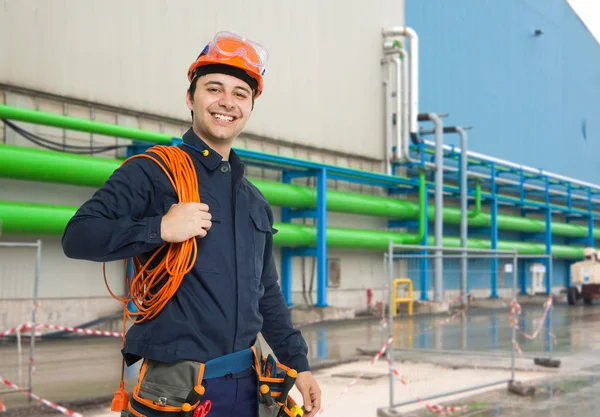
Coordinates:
(590,220)
(286,256)
(523,272)
(494,233)
(321,238)
(548,238)
(424,260)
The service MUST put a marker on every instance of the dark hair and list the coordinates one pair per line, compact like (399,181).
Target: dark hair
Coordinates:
(192,90)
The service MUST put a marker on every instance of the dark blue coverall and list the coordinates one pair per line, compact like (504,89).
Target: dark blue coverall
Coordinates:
(231,293)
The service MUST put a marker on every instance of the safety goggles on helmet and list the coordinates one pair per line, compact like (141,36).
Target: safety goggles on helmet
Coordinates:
(231,49)
(230,45)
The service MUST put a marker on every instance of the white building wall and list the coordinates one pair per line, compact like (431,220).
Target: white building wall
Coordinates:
(73,292)
(323,83)
(323,102)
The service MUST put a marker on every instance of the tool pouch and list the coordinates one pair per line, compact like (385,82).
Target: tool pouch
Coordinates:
(272,374)
(165,388)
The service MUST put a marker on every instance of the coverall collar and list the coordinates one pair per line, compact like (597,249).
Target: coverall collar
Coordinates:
(209,157)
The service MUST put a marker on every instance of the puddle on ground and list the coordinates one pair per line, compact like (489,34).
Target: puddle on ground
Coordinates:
(575,396)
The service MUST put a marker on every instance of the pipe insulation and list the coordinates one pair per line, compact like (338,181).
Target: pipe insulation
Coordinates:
(29,218)
(56,167)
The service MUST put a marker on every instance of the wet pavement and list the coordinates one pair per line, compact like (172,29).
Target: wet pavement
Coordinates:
(574,396)
(84,368)
(478,331)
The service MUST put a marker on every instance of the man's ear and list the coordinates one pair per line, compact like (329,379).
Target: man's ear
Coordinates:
(189,100)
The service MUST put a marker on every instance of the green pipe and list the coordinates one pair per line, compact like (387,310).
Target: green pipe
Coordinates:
(422,204)
(56,167)
(418,238)
(29,218)
(51,119)
(477,210)
(83,125)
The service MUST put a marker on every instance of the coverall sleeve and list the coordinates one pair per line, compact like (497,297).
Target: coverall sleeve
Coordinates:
(287,343)
(112,224)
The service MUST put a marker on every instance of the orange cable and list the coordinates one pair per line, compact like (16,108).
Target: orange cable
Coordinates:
(177,262)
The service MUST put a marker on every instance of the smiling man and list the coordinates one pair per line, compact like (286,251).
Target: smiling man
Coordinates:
(204,340)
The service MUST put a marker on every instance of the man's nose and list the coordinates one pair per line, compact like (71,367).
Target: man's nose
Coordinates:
(226,101)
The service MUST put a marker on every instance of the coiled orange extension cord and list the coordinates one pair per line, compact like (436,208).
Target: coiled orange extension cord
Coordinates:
(178,260)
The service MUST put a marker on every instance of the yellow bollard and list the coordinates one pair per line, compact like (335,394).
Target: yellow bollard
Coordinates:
(408,299)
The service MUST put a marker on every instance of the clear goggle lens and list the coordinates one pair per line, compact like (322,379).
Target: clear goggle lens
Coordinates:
(231,45)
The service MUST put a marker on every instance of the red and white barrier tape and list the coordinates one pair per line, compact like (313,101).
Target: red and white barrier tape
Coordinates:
(447,410)
(438,409)
(516,309)
(28,326)
(354,381)
(50,404)
(81,331)
(14,330)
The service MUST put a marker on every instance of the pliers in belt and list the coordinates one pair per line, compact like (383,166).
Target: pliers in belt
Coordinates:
(202,409)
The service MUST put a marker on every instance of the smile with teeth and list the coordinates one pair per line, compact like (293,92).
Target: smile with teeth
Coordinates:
(223,117)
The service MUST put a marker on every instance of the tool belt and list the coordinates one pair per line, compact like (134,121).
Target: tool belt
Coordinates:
(176,390)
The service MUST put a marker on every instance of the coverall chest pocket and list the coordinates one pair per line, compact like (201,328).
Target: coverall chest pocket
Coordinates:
(208,256)
(260,232)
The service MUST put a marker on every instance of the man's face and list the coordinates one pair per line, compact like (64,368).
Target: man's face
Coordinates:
(222,105)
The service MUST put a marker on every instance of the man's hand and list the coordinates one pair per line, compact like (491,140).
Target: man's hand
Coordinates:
(184,221)
(311,393)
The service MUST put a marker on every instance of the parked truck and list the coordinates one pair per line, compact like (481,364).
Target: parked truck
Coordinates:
(585,278)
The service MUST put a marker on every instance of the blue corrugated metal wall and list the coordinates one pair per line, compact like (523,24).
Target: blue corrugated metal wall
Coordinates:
(533,100)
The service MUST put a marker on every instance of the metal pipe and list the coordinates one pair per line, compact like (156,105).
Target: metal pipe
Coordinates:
(45,166)
(550,262)
(389,127)
(447,256)
(439,199)
(463,212)
(453,249)
(322,238)
(500,180)
(523,167)
(390,350)
(439,203)
(407,111)
(398,128)
(514,329)
(82,125)
(446,394)
(413,57)
(38,261)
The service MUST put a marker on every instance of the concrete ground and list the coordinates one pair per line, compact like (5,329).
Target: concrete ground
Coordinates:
(432,359)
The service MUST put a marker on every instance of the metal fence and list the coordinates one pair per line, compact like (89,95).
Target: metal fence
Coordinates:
(461,337)
(19,281)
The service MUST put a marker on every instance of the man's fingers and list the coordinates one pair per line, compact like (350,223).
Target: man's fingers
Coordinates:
(306,399)
(315,402)
(317,399)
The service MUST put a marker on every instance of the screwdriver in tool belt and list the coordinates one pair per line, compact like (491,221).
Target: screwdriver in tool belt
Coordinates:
(266,395)
(288,382)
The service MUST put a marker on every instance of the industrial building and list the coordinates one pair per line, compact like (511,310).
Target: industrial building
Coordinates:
(342,143)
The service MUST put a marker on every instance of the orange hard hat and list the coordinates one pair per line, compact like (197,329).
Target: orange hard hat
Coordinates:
(227,48)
